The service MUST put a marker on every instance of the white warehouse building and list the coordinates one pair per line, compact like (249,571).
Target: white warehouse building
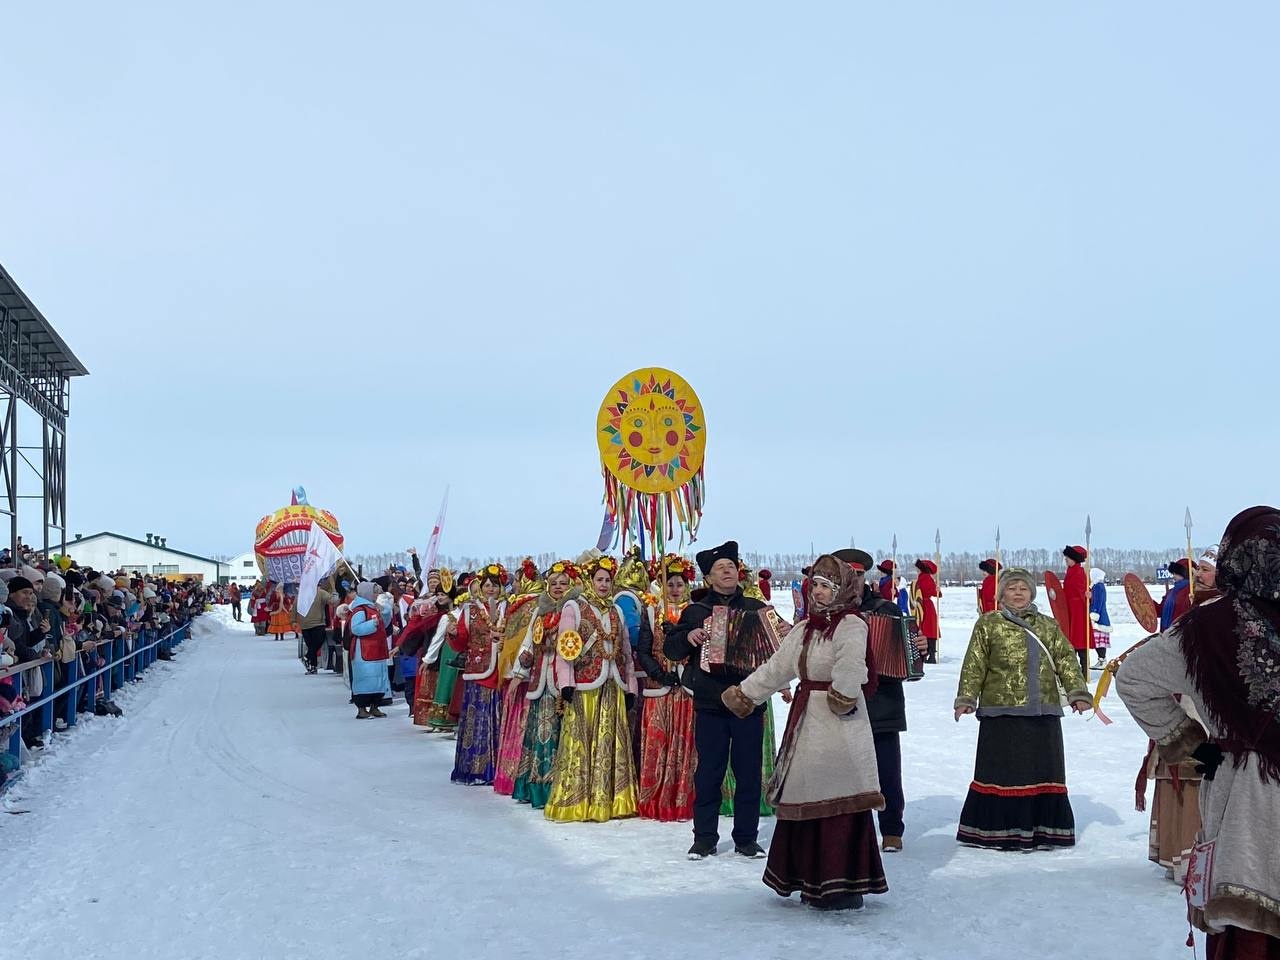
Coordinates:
(114,551)
(243,569)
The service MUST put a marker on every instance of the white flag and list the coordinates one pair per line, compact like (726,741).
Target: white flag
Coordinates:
(433,545)
(321,557)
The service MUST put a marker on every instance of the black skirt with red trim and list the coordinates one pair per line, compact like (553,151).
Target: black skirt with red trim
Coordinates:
(1018,798)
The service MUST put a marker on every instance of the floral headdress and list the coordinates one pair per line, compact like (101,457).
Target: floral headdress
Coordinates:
(567,567)
(588,589)
(495,572)
(605,562)
(529,579)
(672,565)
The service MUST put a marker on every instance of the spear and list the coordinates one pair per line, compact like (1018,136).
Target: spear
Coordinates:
(937,560)
(894,574)
(1088,590)
(1191,578)
(997,563)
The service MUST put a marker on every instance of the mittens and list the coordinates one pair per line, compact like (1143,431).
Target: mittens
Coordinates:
(1209,757)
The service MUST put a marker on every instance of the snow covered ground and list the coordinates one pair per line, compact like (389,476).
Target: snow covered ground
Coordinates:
(238,812)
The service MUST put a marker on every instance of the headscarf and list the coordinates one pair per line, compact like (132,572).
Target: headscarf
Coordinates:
(589,593)
(367,590)
(822,621)
(420,608)
(1232,647)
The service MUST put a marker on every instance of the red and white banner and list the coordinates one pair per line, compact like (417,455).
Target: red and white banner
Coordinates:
(433,546)
(321,557)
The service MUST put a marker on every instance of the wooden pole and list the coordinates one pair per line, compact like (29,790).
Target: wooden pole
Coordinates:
(1191,568)
(1088,592)
(937,561)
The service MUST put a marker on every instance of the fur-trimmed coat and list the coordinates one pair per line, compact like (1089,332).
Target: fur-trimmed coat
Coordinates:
(827,765)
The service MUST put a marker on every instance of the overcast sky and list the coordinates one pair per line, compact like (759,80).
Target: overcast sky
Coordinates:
(927,265)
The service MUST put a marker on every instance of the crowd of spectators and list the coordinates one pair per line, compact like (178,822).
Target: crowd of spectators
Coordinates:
(53,611)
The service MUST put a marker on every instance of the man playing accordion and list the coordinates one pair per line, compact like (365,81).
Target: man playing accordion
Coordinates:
(720,738)
(887,707)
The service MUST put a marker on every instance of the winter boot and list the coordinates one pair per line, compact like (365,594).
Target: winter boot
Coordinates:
(702,849)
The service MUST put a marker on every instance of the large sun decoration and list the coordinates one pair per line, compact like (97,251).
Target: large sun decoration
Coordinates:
(652,438)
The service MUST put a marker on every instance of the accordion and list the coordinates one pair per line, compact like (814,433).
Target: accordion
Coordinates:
(739,641)
(891,641)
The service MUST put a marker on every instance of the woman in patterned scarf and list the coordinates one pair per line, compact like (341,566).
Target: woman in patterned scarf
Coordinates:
(1225,656)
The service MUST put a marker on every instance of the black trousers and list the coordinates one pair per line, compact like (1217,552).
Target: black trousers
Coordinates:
(889,764)
(722,739)
(313,637)
(1083,656)
(236,611)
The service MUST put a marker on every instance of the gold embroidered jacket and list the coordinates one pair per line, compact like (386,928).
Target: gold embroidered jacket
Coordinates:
(1005,673)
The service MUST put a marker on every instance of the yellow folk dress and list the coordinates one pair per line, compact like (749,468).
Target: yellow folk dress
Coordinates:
(594,775)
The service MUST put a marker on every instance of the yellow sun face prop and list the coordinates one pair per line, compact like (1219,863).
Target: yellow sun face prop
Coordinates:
(650,431)
(652,438)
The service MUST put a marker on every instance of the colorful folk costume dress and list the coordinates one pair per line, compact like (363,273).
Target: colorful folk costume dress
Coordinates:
(987,589)
(1098,614)
(1224,657)
(259,614)
(281,619)
(1075,587)
(667,753)
(826,785)
(479,636)
(924,595)
(594,776)
(631,594)
(515,682)
(440,714)
(1011,676)
(370,651)
(439,624)
(536,769)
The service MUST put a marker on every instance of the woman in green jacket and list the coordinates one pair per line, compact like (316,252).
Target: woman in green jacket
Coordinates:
(1015,672)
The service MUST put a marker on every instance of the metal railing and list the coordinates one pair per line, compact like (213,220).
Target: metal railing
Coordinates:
(82,689)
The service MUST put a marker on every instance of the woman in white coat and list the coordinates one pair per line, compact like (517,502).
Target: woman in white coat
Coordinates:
(1225,656)
(825,784)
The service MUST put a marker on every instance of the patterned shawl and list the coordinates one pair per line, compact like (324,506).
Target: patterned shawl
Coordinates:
(1232,646)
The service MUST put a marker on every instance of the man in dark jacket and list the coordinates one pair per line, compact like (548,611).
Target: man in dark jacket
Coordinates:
(886,709)
(721,739)
(29,632)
